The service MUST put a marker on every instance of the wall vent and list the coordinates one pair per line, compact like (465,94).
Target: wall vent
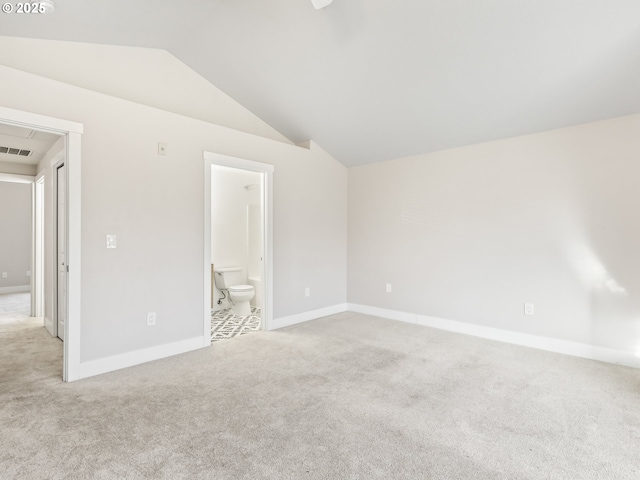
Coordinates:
(15,151)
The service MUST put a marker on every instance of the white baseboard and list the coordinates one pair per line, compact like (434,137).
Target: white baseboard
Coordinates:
(383,312)
(129,359)
(16,289)
(306,316)
(566,347)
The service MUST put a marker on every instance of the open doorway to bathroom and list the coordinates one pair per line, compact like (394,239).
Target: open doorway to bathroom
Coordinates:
(237,246)
(236,252)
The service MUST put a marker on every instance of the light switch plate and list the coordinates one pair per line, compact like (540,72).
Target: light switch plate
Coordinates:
(111,241)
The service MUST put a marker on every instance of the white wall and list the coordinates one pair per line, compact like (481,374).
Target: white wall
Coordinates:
(17,168)
(155,206)
(229,233)
(471,234)
(254,236)
(15,239)
(148,76)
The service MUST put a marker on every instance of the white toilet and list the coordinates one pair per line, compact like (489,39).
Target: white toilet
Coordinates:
(231,281)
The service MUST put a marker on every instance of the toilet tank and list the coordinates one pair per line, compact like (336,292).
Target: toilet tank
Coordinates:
(228,277)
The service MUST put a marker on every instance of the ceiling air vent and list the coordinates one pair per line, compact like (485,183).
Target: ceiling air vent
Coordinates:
(15,151)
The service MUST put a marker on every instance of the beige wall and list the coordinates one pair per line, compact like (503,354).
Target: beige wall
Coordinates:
(471,234)
(155,206)
(15,239)
(17,168)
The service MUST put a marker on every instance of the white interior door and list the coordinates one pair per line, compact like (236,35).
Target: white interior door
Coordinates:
(61,252)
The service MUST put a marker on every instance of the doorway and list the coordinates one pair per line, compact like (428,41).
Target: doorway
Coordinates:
(69,213)
(16,192)
(255,179)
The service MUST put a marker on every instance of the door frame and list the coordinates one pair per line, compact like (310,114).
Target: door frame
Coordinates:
(56,164)
(266,181)
(72,132)
(37,261)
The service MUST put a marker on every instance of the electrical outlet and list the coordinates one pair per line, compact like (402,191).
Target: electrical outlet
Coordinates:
(388,288)
(5,274)
(162,149)
(528,308)
(307,292)
(151,319)
(28,273)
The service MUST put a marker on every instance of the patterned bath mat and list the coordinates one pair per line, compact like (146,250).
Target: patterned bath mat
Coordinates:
(225,324)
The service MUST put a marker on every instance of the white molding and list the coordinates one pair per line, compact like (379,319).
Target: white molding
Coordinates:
(306,316)
(16,289)
(555,345)
(16,178)
(383,312)
(38,122)
(73,188)
(237,162)
(206,331)
(137,357)
(267,248)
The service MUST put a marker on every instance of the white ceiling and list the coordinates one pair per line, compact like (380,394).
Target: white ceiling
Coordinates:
(371,80)
(24,140)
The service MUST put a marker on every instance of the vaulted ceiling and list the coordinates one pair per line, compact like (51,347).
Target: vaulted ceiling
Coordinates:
(371,80)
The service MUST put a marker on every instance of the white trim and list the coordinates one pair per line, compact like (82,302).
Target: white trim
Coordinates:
(32,267)
(37,266)
(383,312)
(73,253)
(267,248)
(266,180)
(566,347)
(15,178)
(236,162)
(16,289)
(129,359)
(306,316)
(534,341)
(38,122)
(206,334)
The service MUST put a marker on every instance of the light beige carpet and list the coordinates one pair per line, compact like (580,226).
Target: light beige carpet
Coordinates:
(14,305)
(344,397)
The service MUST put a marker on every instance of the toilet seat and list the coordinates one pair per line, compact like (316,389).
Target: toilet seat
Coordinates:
(241,288)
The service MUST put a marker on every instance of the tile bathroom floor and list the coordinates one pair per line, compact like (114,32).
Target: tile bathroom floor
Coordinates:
(225,324)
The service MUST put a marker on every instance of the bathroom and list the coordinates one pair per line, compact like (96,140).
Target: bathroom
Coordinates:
(236,252)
